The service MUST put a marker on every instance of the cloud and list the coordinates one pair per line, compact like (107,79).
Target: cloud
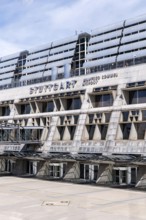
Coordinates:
(8,48)
(28,1)
(28,23)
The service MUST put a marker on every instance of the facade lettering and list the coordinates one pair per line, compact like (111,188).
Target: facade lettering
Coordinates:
(53,87)
(94,80)
(12,148)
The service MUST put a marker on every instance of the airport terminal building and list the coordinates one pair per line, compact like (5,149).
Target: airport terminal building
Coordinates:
(75,109)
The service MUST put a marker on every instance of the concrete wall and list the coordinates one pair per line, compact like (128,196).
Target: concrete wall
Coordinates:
(104,174)
(113,142)
(72,171)
(2,165)
(141,176)
(43,169)
(19,167)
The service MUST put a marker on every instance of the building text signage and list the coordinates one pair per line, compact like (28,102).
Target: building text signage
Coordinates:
(12,147)
(94,80)
(53,87)
(70,84)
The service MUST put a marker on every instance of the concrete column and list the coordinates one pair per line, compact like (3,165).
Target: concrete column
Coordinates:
(43,169)
(34,167)
(104,174)
(72,171)
(52,130)
(91,173)
(61,170)
(67,70)
(141,176)
(129,175)
(114,121)
(54,73)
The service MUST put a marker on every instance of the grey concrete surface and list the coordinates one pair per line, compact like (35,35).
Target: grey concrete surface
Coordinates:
(32,199)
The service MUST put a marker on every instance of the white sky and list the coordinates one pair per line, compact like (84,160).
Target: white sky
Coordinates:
(29,23)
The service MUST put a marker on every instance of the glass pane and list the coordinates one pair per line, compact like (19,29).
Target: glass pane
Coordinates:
(141,96)
(133,97)
(126,130)
(61,130)
(95,172)
(91,116)
(5,111)
(76,103)
(123,176)
(86,171)
(107,117)
(103,100)
(82,171)
(72,131)
(141,129)
(144,115)
(90,129)
(125,116)
(25,109)
(103,131)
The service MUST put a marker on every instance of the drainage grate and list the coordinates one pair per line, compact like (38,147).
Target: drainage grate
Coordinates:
(58,203)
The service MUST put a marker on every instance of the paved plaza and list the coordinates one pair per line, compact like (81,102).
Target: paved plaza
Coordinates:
(33,199)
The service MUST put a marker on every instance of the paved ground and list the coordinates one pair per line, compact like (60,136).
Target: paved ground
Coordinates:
(32,199)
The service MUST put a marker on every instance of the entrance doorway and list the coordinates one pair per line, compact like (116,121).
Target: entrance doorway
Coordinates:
(57,170)
(88,171)
(124,175)
(9,166)
(31,167)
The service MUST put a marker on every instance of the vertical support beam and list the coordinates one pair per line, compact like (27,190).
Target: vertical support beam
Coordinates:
(34,167)
(67,68)
(114,122)
(53,126)
(128,175)
(54,73)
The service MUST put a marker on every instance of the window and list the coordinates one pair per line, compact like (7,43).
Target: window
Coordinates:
(71,131)
(25,109)
(89,172)
(103,131)
(120,175)
(91,116)
(48,106)
(95,172)
(141,130)
(61,130)
(126,130)
(91,130)
(74,103)
(5,135)
(137,97)
(30,134)
(96,126)
(5,111)
(107,117)
(125,116)
(102,100)
(144,115)
(57,170)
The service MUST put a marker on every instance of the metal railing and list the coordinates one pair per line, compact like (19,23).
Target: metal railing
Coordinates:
(122,64)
